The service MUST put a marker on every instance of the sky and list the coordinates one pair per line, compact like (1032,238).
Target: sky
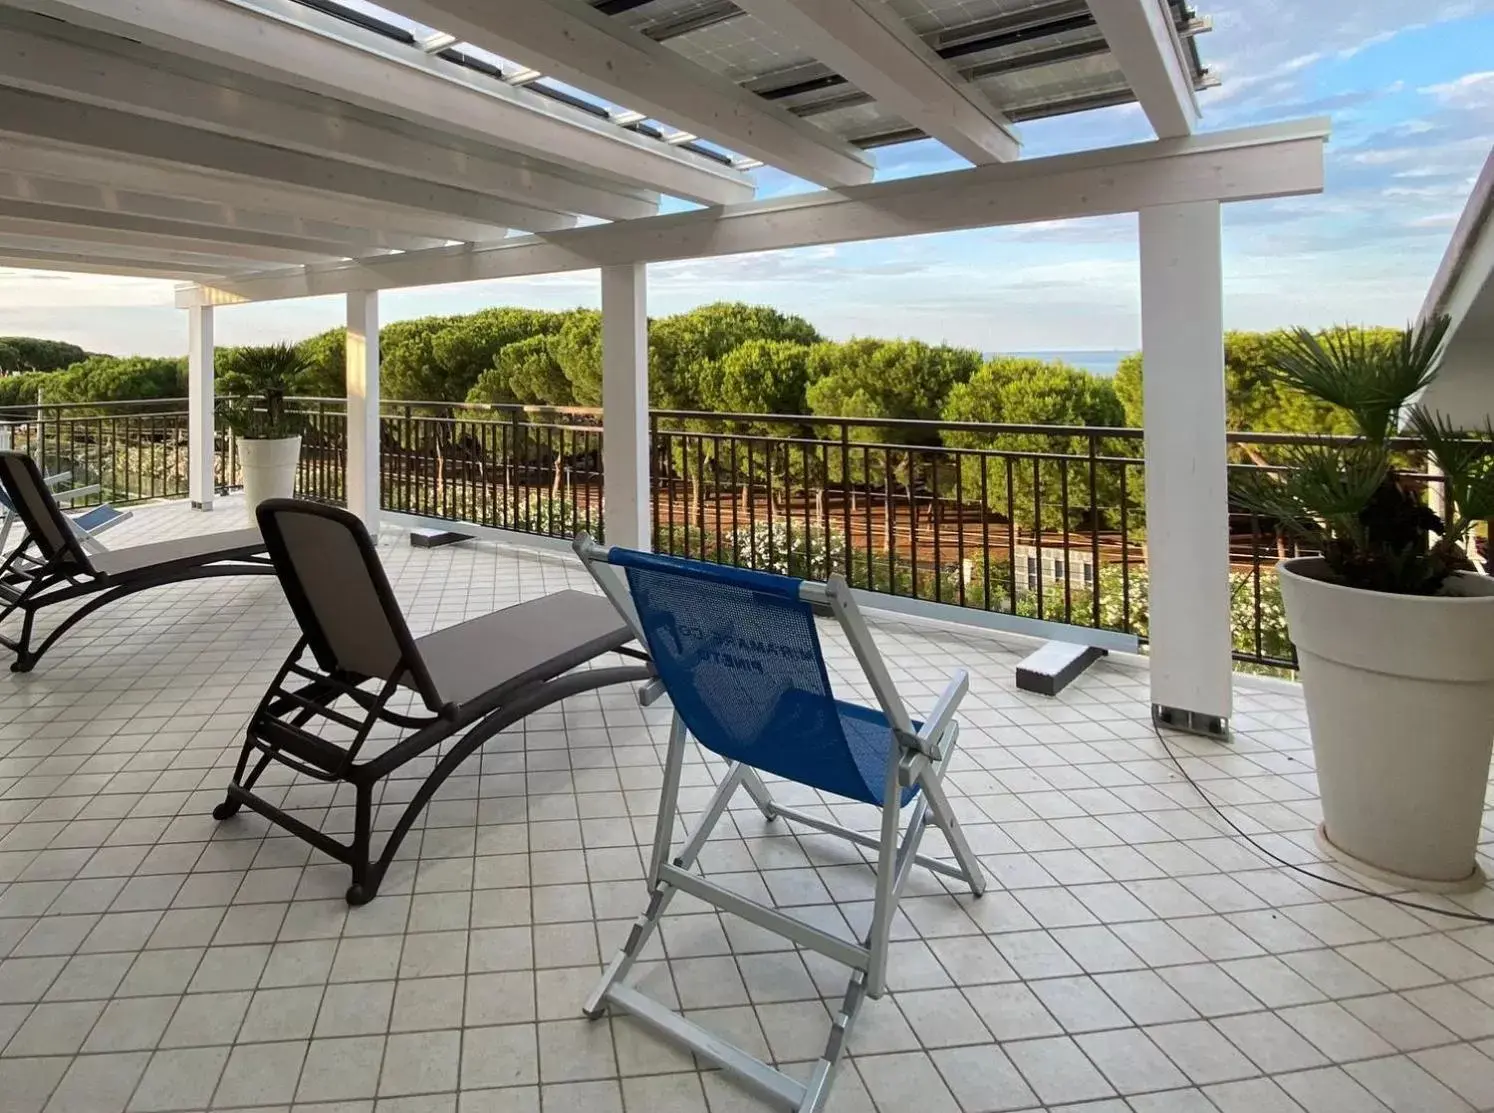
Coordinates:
(1410,90)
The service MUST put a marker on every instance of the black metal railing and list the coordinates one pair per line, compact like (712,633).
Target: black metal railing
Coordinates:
(1040,521)
(529,469)
(132,451)
(1030,520)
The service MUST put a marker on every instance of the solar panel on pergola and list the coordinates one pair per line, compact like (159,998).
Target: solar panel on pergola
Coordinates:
(229,137)
(1029,59)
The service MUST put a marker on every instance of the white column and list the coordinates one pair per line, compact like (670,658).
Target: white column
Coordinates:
(363,408)
(200,406)
(625,448)
(1187,511)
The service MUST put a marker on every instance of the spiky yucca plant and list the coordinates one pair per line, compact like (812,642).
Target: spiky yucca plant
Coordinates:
(1351,501)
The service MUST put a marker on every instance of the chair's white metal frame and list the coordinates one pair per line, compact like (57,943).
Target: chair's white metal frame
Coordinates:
(920,758)
(88,537)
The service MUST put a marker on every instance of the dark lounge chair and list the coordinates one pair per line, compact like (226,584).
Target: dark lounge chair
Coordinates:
(356,653)
(51,565)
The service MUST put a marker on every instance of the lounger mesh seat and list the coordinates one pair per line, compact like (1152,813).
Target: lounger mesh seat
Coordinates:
(356,667)
(51,566)
(739,654)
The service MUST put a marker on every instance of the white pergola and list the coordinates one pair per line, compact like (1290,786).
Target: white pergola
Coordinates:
(267,149)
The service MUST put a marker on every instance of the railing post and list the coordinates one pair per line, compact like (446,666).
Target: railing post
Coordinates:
(625,419)
(200,455)
(1187,490)
(362,482)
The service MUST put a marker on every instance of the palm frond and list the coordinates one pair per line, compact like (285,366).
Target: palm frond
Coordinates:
(1466,460)
(1323,494)
(1370,379)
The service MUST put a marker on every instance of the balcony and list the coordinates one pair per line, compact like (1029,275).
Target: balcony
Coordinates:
(1025,528)
(1133,952)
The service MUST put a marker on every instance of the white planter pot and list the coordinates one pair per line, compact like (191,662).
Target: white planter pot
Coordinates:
(269,468)
(1400,703)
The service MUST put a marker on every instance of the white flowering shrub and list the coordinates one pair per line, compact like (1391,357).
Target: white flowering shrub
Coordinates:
(1242,602)
(809,553)
(543,513)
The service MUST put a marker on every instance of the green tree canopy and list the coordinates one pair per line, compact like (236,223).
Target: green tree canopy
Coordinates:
(886,378)
(1127,384)
(526,372)
(1254,399)
(31,353)
(1031,392)
(325,355)
(577,351)
(757,376)
(684,348)
(21,389)
(118,379)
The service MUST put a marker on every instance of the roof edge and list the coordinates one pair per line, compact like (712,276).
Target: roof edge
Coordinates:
(1478,215)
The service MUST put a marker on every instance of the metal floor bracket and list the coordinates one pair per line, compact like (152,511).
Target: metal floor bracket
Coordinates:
(1191,722)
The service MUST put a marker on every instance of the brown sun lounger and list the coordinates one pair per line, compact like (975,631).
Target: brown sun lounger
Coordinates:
(356,663)
(51,565)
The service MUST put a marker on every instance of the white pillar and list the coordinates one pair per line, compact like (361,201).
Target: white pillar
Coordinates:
(200,406)
(625,448)
(1187,510)
(363,407)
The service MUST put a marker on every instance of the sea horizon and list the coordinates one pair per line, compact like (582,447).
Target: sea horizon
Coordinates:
(1098,361)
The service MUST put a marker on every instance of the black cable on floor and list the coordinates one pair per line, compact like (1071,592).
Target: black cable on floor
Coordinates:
(1473,917)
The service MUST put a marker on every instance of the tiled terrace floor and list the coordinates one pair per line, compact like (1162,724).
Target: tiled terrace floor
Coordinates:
(1129,956)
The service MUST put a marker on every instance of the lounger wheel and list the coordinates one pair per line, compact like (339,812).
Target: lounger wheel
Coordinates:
(226,810)
(22,664)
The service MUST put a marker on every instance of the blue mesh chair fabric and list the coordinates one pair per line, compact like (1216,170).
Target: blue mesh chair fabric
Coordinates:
(739,654)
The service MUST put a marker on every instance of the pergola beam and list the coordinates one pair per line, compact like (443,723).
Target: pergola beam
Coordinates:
(573,41)
(216,236)
(1147,47)
(148,176)
(128,79)
(870,45)
(38,117)
(295,45)
(74,263)
(63,195)
(253,247)
(1248,164)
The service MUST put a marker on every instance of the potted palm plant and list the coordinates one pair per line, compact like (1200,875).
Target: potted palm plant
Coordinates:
(254,382)
(1393,624)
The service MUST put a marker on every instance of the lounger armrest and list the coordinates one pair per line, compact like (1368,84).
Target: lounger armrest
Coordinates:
(941,722)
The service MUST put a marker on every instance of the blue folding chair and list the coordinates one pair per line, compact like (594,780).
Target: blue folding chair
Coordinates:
(86,525)
(739,655)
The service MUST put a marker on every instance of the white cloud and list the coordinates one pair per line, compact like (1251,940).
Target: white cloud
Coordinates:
(1437,220)
(1472,91)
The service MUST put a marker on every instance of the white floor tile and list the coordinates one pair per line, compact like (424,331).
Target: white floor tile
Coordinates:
(1128,955)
